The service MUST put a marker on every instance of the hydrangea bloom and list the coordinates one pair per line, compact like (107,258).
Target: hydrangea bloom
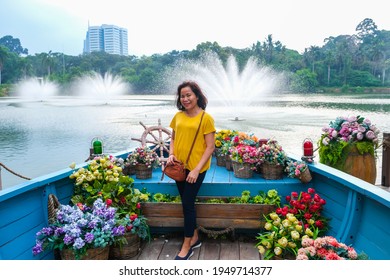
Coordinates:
(80,228)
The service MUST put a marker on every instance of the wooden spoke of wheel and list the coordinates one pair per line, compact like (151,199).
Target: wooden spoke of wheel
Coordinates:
(159,140)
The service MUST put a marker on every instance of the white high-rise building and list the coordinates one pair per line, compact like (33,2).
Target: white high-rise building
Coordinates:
(108,38)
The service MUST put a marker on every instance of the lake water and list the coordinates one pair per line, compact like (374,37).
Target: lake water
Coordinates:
(37,138)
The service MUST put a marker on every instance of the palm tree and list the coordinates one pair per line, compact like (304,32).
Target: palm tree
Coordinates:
(47,61)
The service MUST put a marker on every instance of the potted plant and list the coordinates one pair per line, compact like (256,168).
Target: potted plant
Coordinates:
(298,169)
(349,144)
(137,228)
(103,179)
(144,159)
(81,232)
(272,160)
(244,160)
(327,248)
(288,225)
(223,142)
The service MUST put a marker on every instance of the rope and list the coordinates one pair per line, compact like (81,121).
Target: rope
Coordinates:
(13,172)
(215,233)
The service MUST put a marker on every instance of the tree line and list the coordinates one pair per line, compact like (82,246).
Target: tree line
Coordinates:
(354,61)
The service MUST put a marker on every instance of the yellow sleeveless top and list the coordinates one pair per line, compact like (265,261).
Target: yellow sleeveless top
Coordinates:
(185,129)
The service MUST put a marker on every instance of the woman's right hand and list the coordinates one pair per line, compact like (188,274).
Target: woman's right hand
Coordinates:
(171,159)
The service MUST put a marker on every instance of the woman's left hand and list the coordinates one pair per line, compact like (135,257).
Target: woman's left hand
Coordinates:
(192,176)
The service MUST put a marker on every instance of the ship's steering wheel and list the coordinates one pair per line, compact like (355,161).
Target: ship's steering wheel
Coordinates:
(156,137)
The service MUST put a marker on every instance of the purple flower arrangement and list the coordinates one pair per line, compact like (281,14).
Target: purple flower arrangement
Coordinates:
(80,228)
(344,133)
(350,129)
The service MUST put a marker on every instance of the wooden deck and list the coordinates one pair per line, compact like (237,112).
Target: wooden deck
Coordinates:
(166,247)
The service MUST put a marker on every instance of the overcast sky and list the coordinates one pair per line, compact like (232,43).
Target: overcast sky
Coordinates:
(160,26)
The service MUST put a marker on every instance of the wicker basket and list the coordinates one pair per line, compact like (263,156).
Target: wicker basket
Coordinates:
(92,254)
(142,171)
(52,206)
(221,160)
(229,165)
(126,251)
(305,176)
(271,171)
(129,169)
(242,170)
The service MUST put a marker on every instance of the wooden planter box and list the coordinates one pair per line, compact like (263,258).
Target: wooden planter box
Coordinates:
(209,215)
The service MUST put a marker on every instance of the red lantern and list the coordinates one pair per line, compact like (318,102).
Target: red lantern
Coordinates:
(307,147)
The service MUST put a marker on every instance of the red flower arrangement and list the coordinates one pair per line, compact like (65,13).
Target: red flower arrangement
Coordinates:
(306,207)
(286,227)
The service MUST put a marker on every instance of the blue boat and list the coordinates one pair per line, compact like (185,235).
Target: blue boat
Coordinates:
(359,211)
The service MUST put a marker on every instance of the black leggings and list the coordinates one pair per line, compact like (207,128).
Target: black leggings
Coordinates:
(188,193)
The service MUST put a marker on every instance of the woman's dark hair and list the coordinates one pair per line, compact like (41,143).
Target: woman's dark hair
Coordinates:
(202,99)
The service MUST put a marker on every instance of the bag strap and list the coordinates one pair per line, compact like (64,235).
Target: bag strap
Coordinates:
(193,142)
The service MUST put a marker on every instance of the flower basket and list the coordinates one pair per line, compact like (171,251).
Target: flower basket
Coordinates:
(305,176)
(129,169)
(52,206)
(349,144)
(92,254)
(272,171)
(242,170)
(78,229)
(126,251)
(221,160)
(228,165)
(142,171)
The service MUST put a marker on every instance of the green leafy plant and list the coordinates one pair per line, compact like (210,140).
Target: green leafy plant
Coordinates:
(271,197)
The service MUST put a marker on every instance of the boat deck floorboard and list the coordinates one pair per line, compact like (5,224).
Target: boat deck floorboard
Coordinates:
(166,247)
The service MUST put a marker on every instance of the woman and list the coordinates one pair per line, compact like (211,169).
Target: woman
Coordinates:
(191,103)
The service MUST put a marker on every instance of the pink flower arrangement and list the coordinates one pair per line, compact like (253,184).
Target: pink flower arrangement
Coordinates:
(245,154)
(342,134)
(349,129)
(272,153)
(143,155)
(294,169)
(326,248)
